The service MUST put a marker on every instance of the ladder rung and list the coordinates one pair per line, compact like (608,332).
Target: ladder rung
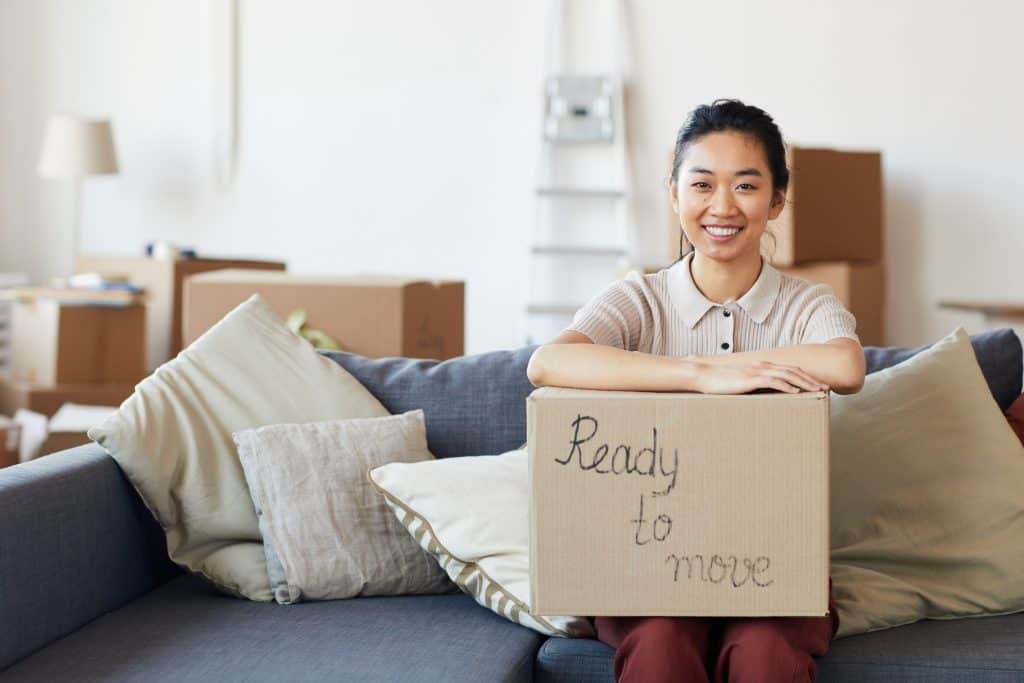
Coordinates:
(595,192)
(566,249)
(552,309)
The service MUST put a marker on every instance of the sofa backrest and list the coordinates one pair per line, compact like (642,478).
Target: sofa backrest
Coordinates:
(998,353)
(476,405)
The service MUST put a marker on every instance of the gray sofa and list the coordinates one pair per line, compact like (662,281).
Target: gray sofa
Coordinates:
(87,591)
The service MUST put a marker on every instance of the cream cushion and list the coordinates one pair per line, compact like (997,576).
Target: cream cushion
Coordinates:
(323,524)
(172,437)
(471,514)
(927,492)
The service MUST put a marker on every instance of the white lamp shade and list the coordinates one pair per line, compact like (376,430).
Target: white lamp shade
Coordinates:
(76,147)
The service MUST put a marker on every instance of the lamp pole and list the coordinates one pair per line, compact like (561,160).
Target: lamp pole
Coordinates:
(76,235)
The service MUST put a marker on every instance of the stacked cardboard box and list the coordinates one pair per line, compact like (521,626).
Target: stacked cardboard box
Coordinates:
(372,315)
(831,231)
(72,349)
(91,347)
(163,280)
(70,425)
(10,434)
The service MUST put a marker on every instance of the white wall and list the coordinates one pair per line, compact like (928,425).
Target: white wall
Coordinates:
(400,136)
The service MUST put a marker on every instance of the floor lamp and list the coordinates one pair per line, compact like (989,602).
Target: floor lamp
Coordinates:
(76,148)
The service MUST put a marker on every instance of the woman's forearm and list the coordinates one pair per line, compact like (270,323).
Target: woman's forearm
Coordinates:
(595,366)
(840,366)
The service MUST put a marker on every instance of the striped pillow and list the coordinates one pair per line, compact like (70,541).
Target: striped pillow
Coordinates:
(471,515)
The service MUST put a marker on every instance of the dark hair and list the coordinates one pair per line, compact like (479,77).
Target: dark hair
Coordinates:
(733,116)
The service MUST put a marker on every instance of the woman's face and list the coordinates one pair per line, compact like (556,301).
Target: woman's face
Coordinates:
(723,195)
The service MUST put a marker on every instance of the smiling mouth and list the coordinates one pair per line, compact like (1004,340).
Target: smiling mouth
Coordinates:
(722,231)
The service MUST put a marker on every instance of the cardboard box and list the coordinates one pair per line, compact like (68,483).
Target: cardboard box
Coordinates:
(61,441)
(861,288)
(48,400)
(70,425)
(55,342)
(163,281)
(678,504)
(833,208)
(372,315)
(9,438)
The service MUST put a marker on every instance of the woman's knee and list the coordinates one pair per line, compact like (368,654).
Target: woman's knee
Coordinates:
(663,649)
(763,651)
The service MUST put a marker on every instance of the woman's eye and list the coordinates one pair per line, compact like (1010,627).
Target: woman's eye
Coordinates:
(746,186)
(701,185)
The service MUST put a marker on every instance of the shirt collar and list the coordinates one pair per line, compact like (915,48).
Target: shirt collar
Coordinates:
(691,304)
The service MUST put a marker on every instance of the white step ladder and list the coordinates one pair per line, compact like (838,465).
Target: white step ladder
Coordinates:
(584,234)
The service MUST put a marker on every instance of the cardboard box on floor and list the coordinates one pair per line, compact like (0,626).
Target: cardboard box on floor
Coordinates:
(372,315)
(678,504)
(69,426)
(55,342)
(48,399)
(861,288)
(163,281)
(10,433)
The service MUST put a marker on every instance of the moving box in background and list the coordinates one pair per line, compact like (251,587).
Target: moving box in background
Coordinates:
(162,280)
(47,400)
(678,504)
(833,208)
(10,434)
(372,315)
(861,289)
(69,426)
(56,342)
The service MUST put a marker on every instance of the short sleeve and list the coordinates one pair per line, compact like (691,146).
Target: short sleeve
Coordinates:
(825,318)
(616,316)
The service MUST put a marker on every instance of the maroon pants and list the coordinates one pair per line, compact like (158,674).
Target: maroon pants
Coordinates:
(652,649)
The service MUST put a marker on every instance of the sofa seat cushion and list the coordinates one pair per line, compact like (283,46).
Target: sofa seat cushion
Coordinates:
(974,649)
(186,630)
(575,660)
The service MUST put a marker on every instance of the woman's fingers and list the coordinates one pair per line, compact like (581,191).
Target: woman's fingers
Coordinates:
(793,378)
(813,380)
(801,378)
(780,384)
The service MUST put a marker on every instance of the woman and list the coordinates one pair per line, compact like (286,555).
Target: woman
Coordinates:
(720,320)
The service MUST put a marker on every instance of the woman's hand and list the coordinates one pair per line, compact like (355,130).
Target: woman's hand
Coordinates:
(743,377)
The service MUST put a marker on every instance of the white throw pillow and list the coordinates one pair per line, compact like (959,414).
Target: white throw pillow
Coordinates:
(472,514)
(927,494)
(323,524)
(172,437)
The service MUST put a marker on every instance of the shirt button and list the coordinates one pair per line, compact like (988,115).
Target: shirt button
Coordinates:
(726,313)
(725,345)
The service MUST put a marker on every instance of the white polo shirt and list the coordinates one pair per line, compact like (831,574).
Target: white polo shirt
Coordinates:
(665,314)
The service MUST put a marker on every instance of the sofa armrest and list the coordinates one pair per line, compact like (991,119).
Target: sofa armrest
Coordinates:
(75,542)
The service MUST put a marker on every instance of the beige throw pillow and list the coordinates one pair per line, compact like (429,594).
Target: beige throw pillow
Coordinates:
(172,437)
(323,524)
(472,514)
(927,486)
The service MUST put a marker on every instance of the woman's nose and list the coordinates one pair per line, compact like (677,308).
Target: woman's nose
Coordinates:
(721,202)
